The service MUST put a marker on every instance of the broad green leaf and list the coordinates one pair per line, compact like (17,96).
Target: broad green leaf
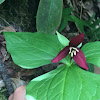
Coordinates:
(65,18)
(31,50)
(62,39)
(92,52)
(49,15)
(65,83)
(1,1)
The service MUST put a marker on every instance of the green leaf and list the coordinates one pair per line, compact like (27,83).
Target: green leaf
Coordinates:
(95,23)
(92,52)
(80,23)
(91,18)
(95,33)
(49,15)
(65,18)
(65,83)
(31,50)
(1,1)
(79,46)
(62,39)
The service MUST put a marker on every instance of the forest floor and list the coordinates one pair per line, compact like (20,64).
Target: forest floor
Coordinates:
(15,19)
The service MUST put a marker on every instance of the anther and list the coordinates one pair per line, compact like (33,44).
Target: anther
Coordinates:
(73,51)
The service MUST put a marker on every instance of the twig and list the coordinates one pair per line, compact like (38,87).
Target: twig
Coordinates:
(81,10)
(6,78)
(4,20)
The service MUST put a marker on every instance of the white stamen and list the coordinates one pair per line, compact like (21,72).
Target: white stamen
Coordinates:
(72,54)
(73,51)
(77,50)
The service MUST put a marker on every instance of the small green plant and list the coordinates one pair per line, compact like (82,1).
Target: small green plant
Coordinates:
(32,50)
(93,28)
(2,92)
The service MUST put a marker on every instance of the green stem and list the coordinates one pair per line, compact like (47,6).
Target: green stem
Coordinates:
(67,61)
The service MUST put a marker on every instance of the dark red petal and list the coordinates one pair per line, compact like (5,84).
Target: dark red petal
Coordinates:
(62,54)
(80,60)
(76,40)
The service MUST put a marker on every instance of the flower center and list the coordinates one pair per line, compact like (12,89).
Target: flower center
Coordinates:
(73,51)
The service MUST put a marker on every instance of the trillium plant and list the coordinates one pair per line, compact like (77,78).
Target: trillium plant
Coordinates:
(71,80)
(75,52)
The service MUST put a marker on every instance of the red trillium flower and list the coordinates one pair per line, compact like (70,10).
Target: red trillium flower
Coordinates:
(75,52)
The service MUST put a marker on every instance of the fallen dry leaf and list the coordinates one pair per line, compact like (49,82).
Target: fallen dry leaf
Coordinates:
(5,55)
(8,29)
